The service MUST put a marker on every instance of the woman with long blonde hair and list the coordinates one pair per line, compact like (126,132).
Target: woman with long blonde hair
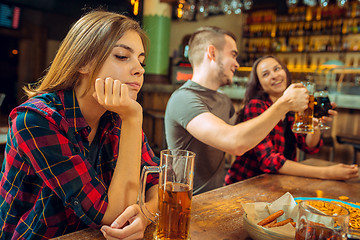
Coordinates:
(75,149)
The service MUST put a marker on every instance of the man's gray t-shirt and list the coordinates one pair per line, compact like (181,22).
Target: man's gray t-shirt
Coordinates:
(187,102)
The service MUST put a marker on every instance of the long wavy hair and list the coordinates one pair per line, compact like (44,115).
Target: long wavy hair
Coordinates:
(89,41)
(254,88)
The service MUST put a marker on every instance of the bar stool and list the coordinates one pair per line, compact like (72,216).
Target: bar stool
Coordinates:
(352,140)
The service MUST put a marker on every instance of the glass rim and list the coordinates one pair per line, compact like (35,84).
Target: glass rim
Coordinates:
(172,152)
(319,212)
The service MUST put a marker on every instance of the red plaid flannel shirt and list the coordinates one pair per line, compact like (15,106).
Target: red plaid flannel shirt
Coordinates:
(49,184)
(268,155)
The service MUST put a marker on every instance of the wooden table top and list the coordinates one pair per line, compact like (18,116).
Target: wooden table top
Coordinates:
(217,214)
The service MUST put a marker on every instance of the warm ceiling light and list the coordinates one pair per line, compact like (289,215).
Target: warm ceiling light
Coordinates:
(199,9)
(135,3)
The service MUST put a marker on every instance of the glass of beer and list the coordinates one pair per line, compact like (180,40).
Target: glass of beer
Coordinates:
(321,220)
(322,107)
(304,120)
(176,173)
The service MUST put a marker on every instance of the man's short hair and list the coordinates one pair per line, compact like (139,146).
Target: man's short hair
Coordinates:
(202,38)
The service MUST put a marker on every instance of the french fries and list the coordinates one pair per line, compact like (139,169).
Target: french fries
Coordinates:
(270,224)
(271,221)
(282,223)
(271,218)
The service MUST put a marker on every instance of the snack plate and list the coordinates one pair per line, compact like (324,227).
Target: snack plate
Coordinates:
(353,234)
(257,232)
(327,200)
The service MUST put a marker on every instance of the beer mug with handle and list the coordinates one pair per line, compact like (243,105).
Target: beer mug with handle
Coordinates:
(304,120)
(176,174)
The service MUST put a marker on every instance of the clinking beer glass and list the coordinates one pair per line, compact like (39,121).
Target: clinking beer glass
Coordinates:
(304,120)
(176,173)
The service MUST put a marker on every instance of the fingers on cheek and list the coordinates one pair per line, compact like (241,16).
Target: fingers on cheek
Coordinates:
(124,91)
(99,85)
(99,88)
(108,86)
(117,87)
(108,91)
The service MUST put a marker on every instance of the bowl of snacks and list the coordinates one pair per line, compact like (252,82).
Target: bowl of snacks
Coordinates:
(271,221)
(268,232)
(277,220)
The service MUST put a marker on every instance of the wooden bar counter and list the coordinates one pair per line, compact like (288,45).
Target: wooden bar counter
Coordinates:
(217,214)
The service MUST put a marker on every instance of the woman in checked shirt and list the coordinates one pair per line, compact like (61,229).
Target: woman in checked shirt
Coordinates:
(277,152)
(75,149)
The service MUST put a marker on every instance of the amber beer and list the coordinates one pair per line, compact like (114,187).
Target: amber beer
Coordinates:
(314,232)
(176,176)
(304,120)
(174,211)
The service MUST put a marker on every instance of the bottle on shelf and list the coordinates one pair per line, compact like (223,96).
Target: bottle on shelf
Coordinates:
(305,30)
